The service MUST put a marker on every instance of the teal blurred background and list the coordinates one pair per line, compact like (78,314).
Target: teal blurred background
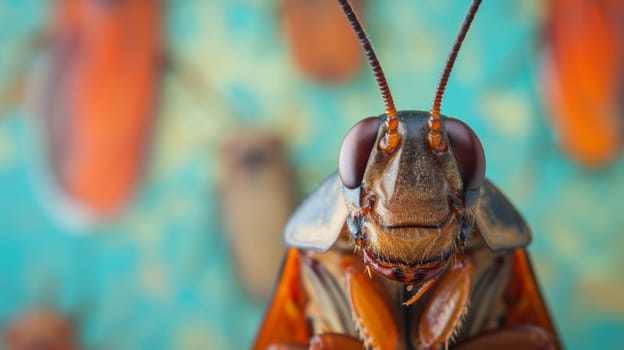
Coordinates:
(159,276)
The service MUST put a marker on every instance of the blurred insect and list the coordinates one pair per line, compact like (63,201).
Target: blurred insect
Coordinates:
(321,43)
(39,329)
(254,167)
(96,104)
(408,245)
(583,77)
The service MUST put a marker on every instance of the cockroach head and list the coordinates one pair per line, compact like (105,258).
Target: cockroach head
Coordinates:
(411,178)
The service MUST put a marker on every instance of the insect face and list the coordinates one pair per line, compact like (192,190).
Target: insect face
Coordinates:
(410,207)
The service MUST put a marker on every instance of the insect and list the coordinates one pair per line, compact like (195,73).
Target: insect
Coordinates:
(585,89)
(407,246)
(320,42)
(254,166)
(98,99)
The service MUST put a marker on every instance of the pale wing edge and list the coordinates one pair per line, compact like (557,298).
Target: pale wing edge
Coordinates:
(318,221)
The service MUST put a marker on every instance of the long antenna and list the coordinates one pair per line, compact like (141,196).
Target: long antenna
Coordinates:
(434,136)
(391,138)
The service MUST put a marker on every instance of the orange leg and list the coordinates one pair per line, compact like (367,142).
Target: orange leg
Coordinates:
(511,338)
(450,299)
(374,321)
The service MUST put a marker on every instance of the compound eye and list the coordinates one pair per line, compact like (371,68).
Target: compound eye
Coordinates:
(354,151)
(469,153)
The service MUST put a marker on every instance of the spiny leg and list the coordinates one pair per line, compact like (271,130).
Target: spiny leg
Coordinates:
(448,304)
(374,321)
(522,337)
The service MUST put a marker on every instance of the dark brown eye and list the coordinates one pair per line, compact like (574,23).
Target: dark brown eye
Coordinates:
(469,153)
(355,149)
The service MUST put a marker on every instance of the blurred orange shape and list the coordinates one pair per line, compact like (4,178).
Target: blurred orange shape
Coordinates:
(100,97)
(321,42)
(583,77)
(39,329)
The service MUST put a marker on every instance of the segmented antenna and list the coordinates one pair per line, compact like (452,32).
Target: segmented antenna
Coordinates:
(391,137)
(434,136)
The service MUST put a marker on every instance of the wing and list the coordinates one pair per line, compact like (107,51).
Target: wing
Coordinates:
(525,302)
(500,224)
(319,220)
(285,321)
